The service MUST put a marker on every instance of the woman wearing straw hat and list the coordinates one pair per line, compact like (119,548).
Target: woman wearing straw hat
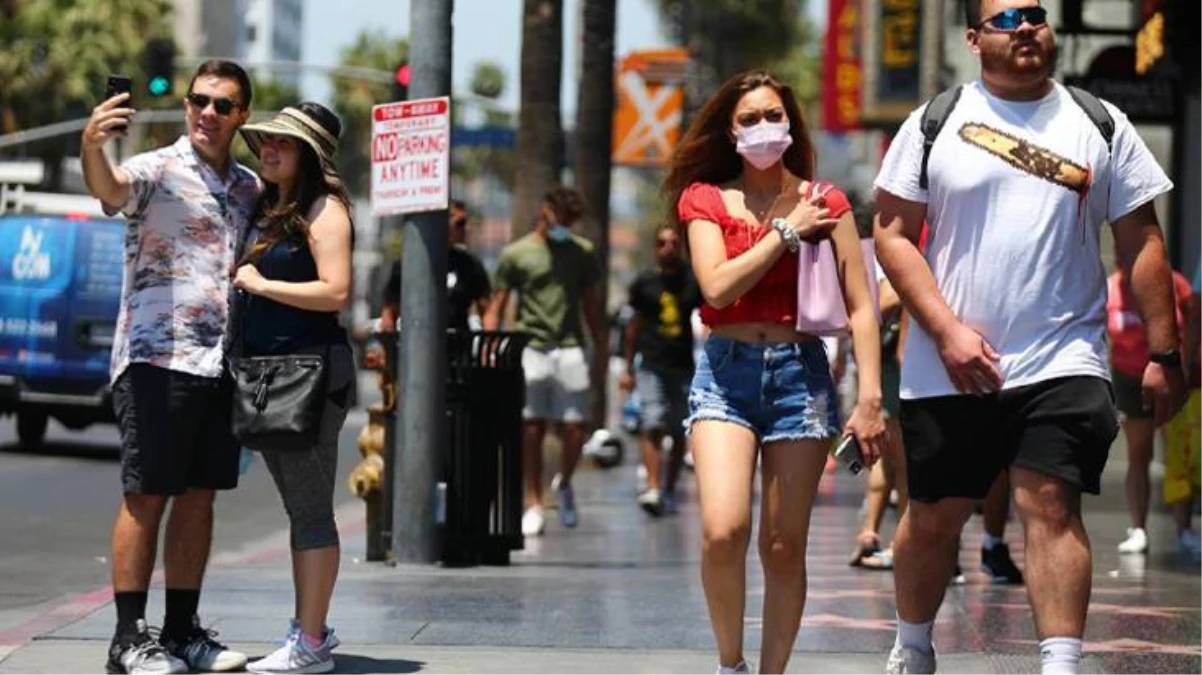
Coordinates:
(296,276)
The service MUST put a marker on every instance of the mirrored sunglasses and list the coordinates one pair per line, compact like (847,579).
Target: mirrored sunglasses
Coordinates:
(1009,20)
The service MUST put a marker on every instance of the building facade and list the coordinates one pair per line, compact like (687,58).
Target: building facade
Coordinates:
(273,34)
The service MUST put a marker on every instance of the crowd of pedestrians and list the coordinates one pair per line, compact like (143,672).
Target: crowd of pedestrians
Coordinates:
(980,323)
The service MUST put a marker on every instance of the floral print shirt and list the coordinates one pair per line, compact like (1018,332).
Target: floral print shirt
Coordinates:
(185,224)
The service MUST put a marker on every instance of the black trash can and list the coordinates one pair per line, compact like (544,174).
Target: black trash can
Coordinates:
(486,391)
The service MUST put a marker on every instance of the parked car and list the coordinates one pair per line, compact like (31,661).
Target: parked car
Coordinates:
(60,290)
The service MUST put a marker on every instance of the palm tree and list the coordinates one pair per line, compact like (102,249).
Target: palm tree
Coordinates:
(540,130)
(594,134)
(353,100)
(55,57)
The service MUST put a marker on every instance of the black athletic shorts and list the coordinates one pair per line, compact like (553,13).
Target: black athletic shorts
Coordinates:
(1129,396)
(957,445)
(175,431)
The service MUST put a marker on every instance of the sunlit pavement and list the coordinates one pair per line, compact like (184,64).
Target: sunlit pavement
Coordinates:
(622,593)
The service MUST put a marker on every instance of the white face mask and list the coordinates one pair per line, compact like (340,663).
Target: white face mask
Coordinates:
(763,144)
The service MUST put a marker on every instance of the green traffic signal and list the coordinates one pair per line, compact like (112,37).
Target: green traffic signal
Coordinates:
(158,86)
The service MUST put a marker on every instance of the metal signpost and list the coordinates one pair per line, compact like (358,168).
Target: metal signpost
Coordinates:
(411,175)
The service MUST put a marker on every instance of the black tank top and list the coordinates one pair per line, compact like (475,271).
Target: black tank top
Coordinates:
(272,328)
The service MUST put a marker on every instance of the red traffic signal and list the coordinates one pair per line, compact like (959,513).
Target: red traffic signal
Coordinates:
(402,75)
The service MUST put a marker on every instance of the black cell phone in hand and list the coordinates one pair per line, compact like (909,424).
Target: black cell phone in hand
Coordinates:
(849,454)
(118,84)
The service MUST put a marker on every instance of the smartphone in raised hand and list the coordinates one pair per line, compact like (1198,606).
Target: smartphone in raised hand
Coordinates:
(118,84)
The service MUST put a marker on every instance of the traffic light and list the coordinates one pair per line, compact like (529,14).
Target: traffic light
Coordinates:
(160,67)
(400,89)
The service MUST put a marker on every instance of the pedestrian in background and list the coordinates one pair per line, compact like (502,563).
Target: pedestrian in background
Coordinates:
(659,364)
(468,289)
(296,277)
(555,274)
(188,205)
(1128,360)
(1005,360)
(740,181)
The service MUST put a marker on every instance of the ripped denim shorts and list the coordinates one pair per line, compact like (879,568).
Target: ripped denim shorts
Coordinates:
(780,391)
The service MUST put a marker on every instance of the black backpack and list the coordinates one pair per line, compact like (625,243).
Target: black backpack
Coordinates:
(940,107)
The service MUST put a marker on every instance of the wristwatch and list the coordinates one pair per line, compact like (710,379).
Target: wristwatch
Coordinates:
(1169,358)
(792,240)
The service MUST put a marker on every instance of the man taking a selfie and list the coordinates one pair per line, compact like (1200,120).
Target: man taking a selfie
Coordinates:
(188,205)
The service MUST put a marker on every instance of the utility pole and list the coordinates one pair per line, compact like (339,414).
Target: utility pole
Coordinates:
(422,366)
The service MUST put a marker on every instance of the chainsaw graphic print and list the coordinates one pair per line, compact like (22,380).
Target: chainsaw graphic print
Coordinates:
(1028,157)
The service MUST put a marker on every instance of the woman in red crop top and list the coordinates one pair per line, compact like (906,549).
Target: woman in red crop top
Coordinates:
(741,182)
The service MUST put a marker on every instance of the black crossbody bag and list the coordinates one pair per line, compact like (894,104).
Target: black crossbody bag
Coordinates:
(278,399)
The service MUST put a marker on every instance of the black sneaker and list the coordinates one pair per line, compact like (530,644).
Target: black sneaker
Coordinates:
(199,650)
(140,652)
(996,562)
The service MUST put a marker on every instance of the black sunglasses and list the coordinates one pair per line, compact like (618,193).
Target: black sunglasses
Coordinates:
(222,106)
(1008,20)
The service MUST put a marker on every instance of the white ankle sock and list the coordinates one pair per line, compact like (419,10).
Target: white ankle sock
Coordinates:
(914,635)
(989,541)
(1060,655)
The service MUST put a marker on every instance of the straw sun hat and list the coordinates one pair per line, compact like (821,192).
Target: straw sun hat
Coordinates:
(294,123)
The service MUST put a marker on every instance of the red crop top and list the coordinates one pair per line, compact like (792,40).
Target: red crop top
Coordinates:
(774,298)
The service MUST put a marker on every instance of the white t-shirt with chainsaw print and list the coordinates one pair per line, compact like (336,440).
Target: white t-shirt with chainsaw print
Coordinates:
(1017,194)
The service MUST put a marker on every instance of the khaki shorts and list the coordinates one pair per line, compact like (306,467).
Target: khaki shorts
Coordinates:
(556,384)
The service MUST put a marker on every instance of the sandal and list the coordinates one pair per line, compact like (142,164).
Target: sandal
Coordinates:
(867,547)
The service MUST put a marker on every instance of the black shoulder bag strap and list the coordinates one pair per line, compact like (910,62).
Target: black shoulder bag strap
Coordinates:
(931,123)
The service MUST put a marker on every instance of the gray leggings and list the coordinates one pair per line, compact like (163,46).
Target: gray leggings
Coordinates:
(306,479)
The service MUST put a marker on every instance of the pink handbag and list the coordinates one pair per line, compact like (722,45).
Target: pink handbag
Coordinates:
(820,306)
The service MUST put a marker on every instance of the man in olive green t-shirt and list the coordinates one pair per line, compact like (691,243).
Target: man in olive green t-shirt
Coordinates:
(555,274)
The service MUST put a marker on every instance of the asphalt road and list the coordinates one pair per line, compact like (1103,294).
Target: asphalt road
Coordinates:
(57,508)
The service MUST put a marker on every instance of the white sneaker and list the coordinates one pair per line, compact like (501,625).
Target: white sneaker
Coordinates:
(652,502)
(1136,542)
(201,651)
(910,660)
(142,654)
(739,668)
(566,497)
(533,522)
(296,656)
(1189,545)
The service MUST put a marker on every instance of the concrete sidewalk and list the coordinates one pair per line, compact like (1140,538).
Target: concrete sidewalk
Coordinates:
(622,593)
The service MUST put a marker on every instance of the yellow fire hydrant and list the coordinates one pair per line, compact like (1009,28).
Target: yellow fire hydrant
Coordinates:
(366,480)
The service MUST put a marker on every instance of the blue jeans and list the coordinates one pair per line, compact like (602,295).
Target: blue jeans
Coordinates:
(780,391)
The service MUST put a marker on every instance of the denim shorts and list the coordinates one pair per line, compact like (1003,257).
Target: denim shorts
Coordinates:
(780,391)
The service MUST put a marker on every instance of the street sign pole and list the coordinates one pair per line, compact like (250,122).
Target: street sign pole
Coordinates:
(422,437)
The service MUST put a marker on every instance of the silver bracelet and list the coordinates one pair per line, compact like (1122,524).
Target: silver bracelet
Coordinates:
(787,233)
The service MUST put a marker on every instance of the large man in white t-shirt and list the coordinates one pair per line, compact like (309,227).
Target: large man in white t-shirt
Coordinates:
(1006,363)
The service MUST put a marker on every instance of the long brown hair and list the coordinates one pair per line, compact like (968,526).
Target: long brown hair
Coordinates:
(707,155)
(290,222)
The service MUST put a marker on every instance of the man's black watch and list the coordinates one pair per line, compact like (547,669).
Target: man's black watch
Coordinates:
(1169,358)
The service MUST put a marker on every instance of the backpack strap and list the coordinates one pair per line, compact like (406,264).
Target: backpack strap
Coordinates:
(933,119)
(1098,114)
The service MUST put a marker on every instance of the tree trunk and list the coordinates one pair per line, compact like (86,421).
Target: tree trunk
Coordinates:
(594,134)
(540,131)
